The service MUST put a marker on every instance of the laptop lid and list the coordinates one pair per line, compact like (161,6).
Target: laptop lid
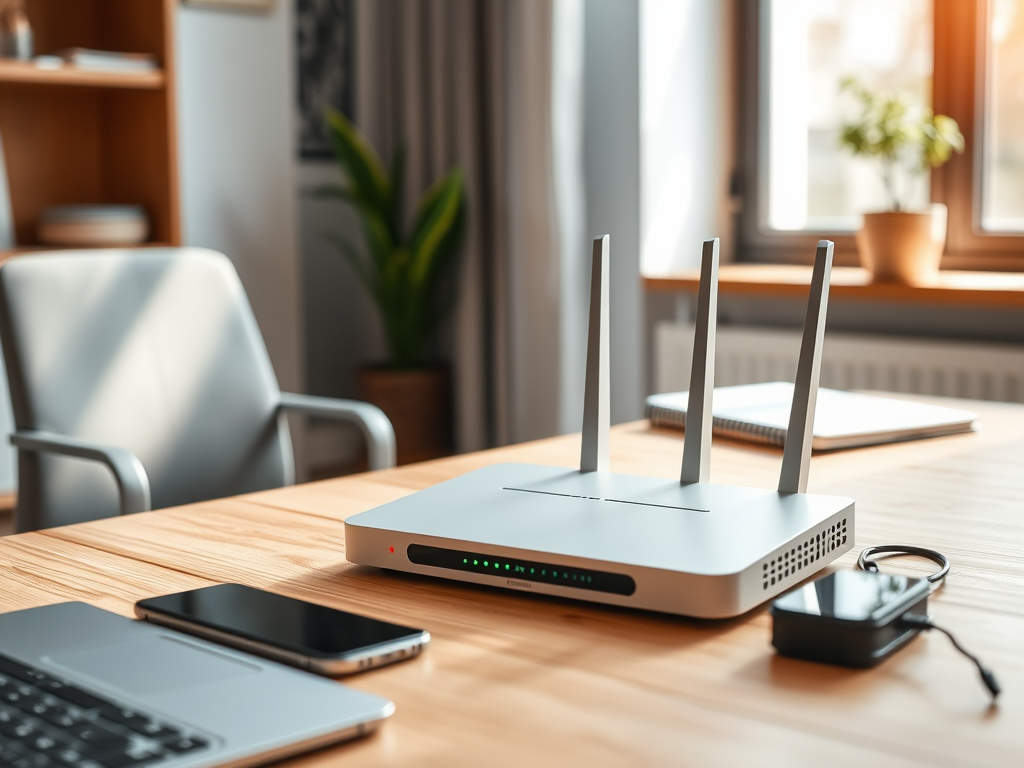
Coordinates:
(251,710)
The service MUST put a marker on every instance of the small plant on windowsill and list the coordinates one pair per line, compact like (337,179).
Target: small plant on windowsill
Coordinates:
(905,140)
(406,270)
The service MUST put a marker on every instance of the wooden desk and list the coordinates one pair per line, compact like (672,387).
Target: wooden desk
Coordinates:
(514,679)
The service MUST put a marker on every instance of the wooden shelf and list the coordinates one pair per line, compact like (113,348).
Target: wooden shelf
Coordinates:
(22,250)
(997,289)
(26,72)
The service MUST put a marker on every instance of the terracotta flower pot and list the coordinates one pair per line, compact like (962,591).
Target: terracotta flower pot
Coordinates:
(903,247)
(419,403)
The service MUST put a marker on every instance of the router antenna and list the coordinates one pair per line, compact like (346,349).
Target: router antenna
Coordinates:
(596,397)
(697,441)
(796,455)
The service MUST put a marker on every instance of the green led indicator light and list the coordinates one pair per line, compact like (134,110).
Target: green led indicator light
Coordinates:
(527,571)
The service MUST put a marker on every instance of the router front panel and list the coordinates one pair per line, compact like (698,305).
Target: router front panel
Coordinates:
(695,550)
(677,593)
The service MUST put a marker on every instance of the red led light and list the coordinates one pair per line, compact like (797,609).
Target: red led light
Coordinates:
(391,550)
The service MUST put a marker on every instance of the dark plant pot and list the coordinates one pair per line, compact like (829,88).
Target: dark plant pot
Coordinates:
(419,403)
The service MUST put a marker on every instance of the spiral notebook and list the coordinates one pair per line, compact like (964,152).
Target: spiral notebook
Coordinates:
(760,413)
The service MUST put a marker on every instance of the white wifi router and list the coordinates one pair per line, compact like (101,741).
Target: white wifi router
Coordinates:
(684,546)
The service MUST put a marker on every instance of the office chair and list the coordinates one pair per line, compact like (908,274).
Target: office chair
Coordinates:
(146,364)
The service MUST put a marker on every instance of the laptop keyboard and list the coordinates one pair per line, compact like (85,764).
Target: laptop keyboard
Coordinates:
(46,722)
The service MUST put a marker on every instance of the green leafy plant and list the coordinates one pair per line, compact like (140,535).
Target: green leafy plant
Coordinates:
(404,271)
(902,137)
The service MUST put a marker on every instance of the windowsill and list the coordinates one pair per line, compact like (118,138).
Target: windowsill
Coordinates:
(994,289)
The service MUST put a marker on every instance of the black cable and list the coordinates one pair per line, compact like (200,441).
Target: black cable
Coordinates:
(987,677)
(936,580)
(890,550)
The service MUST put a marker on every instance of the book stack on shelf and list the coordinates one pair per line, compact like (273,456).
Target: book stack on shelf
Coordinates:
(108,61)
(86,226)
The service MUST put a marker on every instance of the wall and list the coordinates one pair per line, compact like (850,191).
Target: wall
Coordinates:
(236,147)
(236,155)
(343,330)
(612,177)
(687,143)
(570,183)
(687,140)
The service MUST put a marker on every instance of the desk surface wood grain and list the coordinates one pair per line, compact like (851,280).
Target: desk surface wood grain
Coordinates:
(514,679)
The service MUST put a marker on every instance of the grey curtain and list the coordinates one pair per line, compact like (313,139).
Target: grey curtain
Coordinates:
(469,82)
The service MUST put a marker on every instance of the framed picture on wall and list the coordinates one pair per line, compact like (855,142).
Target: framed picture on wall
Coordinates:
(324,49)
(238,5)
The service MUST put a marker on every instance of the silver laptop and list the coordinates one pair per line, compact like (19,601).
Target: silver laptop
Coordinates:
(80,686)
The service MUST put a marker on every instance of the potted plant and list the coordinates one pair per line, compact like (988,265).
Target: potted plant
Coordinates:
(405,270)
(900,245)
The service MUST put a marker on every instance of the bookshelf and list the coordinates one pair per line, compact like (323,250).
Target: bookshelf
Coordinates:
(75,136)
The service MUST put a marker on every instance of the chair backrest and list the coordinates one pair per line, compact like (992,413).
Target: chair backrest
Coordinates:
(153,350)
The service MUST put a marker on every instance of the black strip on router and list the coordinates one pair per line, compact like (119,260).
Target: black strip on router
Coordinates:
(510,568)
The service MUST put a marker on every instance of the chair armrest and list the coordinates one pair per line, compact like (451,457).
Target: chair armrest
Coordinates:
(376,427)
(129,474)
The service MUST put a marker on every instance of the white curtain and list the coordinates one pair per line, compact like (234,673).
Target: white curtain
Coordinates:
(473,83)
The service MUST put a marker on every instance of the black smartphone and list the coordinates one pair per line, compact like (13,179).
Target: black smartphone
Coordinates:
(306,635)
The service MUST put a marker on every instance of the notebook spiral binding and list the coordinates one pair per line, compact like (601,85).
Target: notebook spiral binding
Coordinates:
(758,433)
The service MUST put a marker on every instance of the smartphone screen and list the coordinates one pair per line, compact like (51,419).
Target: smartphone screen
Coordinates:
(264,618)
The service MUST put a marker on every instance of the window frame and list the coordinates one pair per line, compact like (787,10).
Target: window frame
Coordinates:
(958,89)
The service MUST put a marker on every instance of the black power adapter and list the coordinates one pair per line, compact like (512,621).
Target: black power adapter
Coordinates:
(859,618)
(849,618)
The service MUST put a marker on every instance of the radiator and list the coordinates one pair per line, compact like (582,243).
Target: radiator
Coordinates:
(747,355)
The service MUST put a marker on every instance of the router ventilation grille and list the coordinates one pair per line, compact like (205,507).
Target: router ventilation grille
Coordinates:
(793,561)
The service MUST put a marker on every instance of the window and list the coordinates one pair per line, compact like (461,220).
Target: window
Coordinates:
(1002,201)
(963,58)
(813,184)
